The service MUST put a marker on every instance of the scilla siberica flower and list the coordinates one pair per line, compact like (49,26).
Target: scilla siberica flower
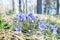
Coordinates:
(54,29)
(21,17)
(29,31)
(18,30)
(42,26)
(17,16)
(31,17)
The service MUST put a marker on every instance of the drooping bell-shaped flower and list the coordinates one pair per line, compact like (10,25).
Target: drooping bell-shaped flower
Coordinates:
(21,17)
(31,17)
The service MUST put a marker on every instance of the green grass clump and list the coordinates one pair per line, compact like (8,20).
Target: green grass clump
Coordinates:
(3,25)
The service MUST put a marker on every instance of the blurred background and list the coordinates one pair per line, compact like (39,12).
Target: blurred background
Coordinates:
(34,6)
(30,19)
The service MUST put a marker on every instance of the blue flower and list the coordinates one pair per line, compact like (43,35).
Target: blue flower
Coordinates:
(31,20)
(42,26)
(17,16)
(27,17)
(21,17)
(31,17)
(53,29)
(18,30)
(29,31)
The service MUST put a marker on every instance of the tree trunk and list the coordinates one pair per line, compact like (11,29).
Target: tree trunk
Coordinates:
(39,6)
(57,12)
(19,6)
(13,4)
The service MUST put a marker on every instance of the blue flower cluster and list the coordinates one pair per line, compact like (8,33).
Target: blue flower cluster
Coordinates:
(30,17)
(42,26)
(22,17)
